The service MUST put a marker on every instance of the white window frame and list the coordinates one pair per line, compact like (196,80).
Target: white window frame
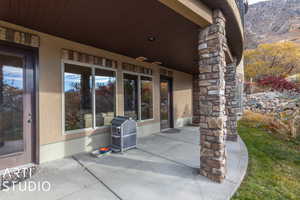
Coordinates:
(139,93)
(93,67)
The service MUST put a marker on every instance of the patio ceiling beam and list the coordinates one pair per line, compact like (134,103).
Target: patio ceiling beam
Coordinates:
(194,10)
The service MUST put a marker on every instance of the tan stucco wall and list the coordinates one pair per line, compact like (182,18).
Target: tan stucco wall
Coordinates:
(182,92)
(50,86)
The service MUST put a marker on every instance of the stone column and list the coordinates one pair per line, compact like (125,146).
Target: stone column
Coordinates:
(240,87)
(232,103)
(212,66)
(196,103)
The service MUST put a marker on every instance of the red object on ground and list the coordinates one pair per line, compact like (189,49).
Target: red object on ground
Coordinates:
(104,149)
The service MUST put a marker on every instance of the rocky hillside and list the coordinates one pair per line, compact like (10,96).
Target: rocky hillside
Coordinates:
(273,21)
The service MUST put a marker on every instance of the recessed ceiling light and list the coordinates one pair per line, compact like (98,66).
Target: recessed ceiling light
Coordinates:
(151,38)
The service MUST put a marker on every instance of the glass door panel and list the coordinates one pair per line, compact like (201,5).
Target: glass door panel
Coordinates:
(11,104)
(164,104)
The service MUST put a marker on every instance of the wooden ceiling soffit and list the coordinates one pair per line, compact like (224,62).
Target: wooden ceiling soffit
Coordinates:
(19,37)
(194,10)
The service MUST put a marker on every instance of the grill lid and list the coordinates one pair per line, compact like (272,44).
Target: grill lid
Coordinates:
(119,120)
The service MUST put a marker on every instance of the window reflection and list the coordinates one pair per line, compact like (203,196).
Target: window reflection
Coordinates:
(78,97)
(131,96)
(11,104)
(105,83)
(146,98)
(164,104)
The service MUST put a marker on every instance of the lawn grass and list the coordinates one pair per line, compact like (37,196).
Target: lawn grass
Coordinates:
(274,166)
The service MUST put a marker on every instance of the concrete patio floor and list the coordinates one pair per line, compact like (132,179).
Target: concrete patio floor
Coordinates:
(164,166)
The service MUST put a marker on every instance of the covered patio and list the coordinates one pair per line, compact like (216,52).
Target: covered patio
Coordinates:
(164,166)
(157,61)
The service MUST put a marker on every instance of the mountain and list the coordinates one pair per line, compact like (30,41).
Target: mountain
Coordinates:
(272,21)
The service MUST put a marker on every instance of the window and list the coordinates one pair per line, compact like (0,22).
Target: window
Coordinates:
(105,83)
(132,97)
(78,97)
(89,97)
(131,108)
(146,98)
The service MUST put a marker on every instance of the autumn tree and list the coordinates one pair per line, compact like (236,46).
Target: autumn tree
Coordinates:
(276,59)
